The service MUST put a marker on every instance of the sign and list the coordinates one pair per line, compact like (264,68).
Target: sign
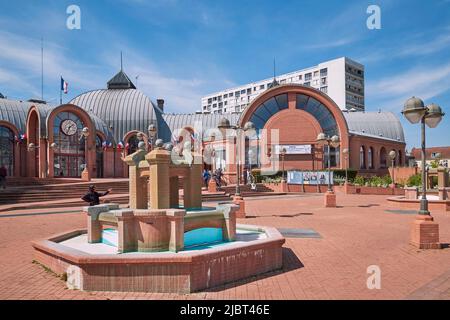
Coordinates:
(294,148)
(308,177)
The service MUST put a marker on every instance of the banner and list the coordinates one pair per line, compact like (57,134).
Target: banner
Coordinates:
(308,177)
(294,148)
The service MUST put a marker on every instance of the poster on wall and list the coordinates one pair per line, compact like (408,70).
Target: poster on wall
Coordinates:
(308,177)
(293,148)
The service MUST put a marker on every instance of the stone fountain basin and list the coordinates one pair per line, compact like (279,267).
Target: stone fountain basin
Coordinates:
(181,272)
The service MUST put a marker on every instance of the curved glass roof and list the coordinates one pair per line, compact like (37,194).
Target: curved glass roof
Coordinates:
(267,109)
(319,111)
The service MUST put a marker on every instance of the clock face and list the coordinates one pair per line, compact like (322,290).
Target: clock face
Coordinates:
(69,127)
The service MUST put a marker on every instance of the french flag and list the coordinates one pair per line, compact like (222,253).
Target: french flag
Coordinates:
(64,86)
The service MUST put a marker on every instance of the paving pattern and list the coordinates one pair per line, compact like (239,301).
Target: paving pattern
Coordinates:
(357,234)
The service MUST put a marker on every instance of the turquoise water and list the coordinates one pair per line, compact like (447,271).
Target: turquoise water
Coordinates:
(204,237)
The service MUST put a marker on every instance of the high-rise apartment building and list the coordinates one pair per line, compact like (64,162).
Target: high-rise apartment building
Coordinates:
(342,79)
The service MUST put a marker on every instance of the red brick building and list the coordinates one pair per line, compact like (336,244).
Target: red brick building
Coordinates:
(38,140)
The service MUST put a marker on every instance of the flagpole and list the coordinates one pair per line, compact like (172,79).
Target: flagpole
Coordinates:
(42,68)
(60,92)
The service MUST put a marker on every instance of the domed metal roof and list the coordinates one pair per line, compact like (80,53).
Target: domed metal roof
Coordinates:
(172,122)
(382,125)
(123,110)
(15,112)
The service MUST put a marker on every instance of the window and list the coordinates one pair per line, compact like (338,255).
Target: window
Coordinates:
(307,84)
(324,89)
(215,99)
(249,91)
(334,157)
(316,82)
(237,94)
(267,109)
(383,161)
(370,157)
(225,95)
(323,72)
(226,102)
(220,104)
(243,91)
(362,157)
(214,105)
(209,100)
(7,149)
(300,77)
(231,94)
(318,111)
(69,152)
(323,80)
(316,74)
(261,87)
(282,81)
(308,76)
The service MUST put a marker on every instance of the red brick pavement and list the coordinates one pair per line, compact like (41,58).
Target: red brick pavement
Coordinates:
(357,234)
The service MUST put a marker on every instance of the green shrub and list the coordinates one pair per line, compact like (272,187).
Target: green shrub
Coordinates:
(359,180)
(414,181)
(351,173)
(386,180)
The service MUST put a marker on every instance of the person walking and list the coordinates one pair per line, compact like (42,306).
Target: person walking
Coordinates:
(3,174)
(93,197)
(206,177)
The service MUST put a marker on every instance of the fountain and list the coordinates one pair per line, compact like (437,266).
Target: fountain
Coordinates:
(157,244)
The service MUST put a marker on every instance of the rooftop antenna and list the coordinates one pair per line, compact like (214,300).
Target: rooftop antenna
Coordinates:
(121,66)
(274,68)
(274,82)
(42,68)
(137,77)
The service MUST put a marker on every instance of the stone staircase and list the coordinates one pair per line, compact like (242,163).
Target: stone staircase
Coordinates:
(34,194)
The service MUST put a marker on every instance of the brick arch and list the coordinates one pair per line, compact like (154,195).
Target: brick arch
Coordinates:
(87,122)
(33,131)
(292,90)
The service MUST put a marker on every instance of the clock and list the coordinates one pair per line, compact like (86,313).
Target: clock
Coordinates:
(69,127)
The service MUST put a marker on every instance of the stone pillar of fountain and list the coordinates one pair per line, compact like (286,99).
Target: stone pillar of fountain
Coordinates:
(138,185)
(159,182)
(193,184)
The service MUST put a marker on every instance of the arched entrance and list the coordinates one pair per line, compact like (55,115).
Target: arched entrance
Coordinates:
(7,149)
(298,114)
(69,152)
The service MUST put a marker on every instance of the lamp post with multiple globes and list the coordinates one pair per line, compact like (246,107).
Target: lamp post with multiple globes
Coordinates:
(424,231)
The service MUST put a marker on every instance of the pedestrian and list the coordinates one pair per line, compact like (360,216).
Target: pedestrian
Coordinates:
(206,177)
(218,177)
(3,174)
(93,197)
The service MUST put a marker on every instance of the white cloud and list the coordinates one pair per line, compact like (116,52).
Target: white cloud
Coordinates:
(425,83)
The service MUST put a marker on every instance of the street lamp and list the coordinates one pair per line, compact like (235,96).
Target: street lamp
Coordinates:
(248,126)
(415,111)
(334,141)
(152,133)
(85,175)
(392,155)
(282,154)
(345,153)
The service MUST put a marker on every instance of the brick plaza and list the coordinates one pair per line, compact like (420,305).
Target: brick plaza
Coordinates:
(357,234)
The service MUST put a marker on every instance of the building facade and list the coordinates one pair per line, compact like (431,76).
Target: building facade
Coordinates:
(341,79)
(434,156)
(39,140)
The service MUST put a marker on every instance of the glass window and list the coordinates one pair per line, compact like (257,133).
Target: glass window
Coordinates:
(282,101)
(320,112)
(7,149)
(261,87)
(308,76)
(362,157)
(323,72)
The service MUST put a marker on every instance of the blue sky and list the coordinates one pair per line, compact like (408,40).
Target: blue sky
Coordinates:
(182,50)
